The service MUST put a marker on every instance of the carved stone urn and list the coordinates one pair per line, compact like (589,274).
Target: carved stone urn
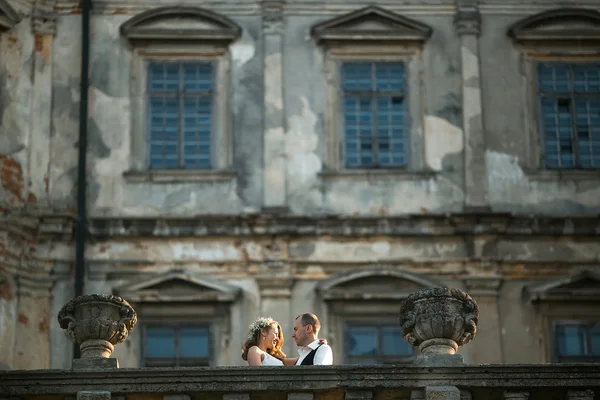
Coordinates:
(438,320)
(97,322)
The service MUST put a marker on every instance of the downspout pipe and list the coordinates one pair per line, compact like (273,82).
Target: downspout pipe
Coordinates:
(81,221)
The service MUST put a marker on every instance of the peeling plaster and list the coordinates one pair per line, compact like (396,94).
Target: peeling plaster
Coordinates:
(512,190)
(301,149)
(243,50)
(111,115)
(273,97)
(441,138)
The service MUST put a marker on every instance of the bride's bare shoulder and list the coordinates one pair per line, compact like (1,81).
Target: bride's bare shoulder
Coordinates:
(256,350)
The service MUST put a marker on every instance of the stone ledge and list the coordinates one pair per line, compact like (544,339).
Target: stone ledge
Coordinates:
(300,379)
(575,175)
(178,176)
(379,174)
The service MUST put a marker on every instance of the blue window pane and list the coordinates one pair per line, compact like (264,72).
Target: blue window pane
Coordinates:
(197,77)
(374,113)
(197,132)
(362,340)
(554,78)
(357,76)
(389,76)
(570,121)
(164,76)
(571,340)
(393,343)
(160,343)
(180,114)
(194,342)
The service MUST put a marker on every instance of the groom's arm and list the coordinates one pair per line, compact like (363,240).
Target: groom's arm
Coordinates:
(324,356)
(290,361)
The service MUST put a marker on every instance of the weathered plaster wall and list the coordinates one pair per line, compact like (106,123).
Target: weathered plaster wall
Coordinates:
(515,184)
(511,186)
(16,53)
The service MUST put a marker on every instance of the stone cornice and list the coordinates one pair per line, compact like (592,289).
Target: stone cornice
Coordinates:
(53,226)
(244,379)
(410,225)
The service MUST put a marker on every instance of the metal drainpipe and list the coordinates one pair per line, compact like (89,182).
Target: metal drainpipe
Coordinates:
(81,222)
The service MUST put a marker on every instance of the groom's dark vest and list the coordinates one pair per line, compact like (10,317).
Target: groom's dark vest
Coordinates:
(310,358)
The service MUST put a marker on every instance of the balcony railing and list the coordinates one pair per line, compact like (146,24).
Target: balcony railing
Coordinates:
(437,321)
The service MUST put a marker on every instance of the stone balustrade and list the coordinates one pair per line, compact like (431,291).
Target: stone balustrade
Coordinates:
(437,321)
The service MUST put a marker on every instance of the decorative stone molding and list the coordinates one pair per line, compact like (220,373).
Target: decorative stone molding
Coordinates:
(43,18)
(97,322)
(467,20)
(483,285)
(180,23)
(371,23)
(438,320)
(178,287)
(272,16)
(577,24)
(347,285)
(581,284)
(8,16)
(34,285)
(302,226)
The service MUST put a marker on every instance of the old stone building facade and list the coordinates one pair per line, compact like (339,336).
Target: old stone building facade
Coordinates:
(250,158)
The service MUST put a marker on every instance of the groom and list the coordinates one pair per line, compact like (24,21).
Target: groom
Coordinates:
(306,329)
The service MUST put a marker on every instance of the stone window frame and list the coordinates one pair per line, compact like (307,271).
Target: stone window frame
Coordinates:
(209,305)
(342,306)
(158,34)
(403,42)
(553,43)
(559,299)
(8,16)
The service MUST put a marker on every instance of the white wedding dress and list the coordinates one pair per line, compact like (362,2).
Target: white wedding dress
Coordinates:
(270,361)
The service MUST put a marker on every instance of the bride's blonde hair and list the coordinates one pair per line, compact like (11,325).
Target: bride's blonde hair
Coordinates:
(254,333)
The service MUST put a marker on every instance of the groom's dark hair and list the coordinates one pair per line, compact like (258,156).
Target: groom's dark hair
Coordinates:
(310,319)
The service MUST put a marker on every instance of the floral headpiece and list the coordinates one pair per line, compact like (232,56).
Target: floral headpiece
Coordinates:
(261,323)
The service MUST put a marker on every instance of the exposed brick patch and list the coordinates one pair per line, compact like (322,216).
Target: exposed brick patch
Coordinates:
(11,176)
(22,319)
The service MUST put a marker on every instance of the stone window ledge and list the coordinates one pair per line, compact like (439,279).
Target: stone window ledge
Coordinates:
(367,174)
(179,176)
(563,175)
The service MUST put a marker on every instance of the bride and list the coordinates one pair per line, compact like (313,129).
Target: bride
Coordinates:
(263,344)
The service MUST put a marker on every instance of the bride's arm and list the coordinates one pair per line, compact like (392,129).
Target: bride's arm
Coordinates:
(255,357)
(290,361)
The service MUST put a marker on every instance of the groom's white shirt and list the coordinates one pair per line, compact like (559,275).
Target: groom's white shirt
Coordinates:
(323,356)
